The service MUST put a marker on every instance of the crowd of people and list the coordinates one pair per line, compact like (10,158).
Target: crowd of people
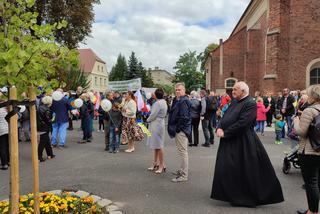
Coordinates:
(243,176)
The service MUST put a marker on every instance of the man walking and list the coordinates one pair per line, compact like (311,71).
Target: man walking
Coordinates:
(61,122)
(206,119)
(179,127)
(286,107)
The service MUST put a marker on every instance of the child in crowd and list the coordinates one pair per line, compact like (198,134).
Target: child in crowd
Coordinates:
(115,118)
(101,119)
(261,115)
(278,126)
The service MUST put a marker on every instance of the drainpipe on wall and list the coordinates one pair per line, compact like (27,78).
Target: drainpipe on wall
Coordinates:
(221,57)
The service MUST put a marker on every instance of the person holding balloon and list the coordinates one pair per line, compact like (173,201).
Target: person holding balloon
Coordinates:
(86,111)
(60,107)
(129,111)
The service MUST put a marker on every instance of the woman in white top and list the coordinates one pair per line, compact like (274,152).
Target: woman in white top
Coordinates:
(129,111)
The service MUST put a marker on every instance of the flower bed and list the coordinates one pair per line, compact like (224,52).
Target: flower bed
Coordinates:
(51,203)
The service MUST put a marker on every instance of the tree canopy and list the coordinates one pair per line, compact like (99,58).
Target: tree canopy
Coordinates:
(119,70)
(134,69)
(30,59)
(187,71)
(78,13)
(202,57)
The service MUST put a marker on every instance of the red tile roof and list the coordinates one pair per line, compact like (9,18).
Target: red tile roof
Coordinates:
(87,59)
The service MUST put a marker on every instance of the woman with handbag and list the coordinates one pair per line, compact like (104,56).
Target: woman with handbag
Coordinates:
(157,129)
(129,125)
(309,158)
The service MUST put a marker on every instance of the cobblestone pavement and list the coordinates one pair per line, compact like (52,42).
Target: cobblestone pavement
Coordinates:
(123,177)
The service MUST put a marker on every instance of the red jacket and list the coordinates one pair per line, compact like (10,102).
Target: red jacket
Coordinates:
(261,111)
(225,100)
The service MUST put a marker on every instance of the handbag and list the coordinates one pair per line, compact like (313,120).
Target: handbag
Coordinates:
(314,132)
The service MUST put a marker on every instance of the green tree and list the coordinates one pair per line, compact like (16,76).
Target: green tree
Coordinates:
(29,59)
(168,89)
(146,79)
(119,70)
(78,13)
(133,70)
(186,71)
(76,77)
(202,57)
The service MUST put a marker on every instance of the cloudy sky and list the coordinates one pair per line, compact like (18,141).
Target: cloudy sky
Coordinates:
(159,31)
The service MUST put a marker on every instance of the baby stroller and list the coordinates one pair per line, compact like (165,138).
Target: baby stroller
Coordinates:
(291,157)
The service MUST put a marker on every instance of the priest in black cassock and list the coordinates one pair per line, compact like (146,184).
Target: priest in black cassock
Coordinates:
(243,174)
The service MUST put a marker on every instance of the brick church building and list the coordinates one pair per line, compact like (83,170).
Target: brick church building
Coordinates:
(276,44)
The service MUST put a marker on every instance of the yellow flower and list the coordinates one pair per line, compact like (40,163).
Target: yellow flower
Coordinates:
(6,209)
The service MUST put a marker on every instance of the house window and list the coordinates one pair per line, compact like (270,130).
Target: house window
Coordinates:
(105,82)
(102,69)
(100,81)
(98,67)
(229,83)
(315,76)
(96,80)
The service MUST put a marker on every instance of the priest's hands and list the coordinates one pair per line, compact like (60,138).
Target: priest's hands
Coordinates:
(220,133)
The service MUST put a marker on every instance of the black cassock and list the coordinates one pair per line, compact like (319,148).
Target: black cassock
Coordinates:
(243,174)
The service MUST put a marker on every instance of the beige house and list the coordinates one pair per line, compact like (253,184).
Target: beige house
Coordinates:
(161,77)
(95,68)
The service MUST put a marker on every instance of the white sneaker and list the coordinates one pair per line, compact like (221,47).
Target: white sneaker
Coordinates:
(180,178)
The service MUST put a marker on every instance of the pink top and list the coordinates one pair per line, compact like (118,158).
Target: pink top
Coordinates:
(261,112)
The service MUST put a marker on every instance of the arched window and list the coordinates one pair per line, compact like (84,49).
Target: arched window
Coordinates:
(315,76)
(229,83)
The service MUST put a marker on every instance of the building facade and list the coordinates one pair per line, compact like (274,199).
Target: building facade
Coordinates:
(95,69)
(160,76)
(275,45)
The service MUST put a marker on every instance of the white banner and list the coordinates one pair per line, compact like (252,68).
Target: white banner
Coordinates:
(126,85)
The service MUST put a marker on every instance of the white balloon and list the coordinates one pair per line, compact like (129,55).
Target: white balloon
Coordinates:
(57,95)
(106,105)
(78,102)
(22,109)
(148,95)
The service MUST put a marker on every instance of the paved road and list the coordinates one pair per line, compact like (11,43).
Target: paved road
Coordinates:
(123,177)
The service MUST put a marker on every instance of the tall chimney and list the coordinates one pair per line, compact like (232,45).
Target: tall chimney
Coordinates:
(221,57)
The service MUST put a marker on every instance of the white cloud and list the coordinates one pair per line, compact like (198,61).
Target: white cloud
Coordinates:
(160,31)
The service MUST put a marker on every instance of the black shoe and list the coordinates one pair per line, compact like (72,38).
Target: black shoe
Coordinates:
(54,146)
(195,145)
(106,149)
(190,144)
(88,141)
(211,143)
(42,160)
(205,145)
(4,167)
(301,211)
(63,146)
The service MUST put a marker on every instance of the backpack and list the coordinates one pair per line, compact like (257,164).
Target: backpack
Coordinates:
(211,104)
(314,132)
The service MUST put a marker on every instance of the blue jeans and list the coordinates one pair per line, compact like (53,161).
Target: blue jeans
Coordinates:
(260,126)
(61,129)
(207,131)
(278,135)
(289,123)
(114,138)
